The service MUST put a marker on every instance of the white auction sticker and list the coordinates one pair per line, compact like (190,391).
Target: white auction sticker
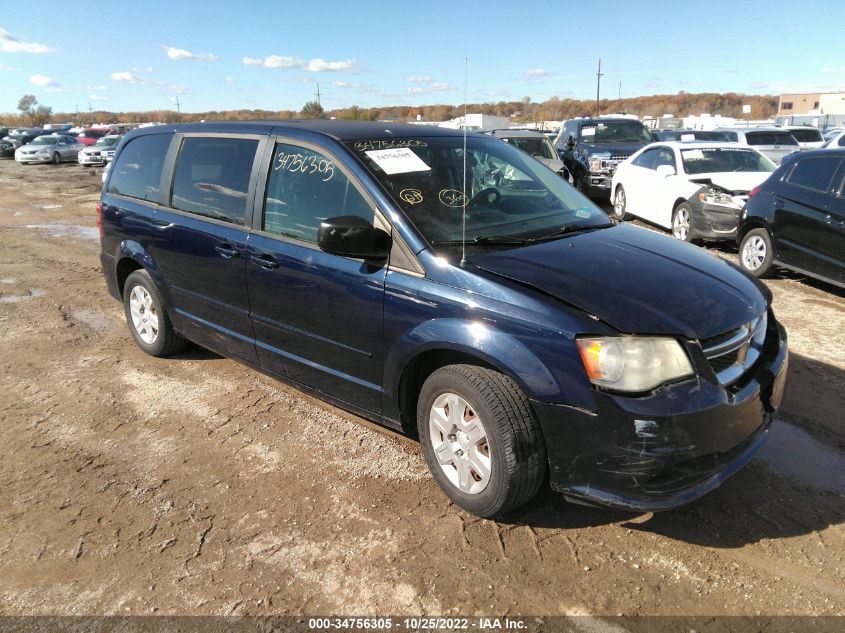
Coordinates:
(687,137)
(588,131)
(400,160)
(692,154)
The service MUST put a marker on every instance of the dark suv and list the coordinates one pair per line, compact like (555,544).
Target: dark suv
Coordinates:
(592,148)
(452,288)
(796,218)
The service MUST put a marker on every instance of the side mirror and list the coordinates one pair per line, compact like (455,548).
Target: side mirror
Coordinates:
(570,142)
(353,236)
(665,170)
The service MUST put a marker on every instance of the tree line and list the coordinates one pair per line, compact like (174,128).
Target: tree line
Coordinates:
(523,111)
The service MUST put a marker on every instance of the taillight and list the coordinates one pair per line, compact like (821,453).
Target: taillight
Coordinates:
(754,192)
(100,218)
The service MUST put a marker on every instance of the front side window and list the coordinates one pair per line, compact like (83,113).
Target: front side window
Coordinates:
(646,159)
(304,188)
(509,197)
(535,146)
(137,171)
(212,177)
(814,173)
(710,160)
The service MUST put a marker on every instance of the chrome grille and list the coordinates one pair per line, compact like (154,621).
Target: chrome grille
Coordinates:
(732,353)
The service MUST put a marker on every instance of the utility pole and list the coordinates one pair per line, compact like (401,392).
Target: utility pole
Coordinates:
(91,112)
(318,93)
(178,105)
(619,96)
(598,86)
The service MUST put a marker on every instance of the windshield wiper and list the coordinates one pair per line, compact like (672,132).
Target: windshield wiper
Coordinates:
(500,239)
(569,229)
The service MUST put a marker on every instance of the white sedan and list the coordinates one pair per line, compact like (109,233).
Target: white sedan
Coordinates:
(695,189)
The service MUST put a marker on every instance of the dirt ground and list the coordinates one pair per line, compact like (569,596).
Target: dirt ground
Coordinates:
(194,485)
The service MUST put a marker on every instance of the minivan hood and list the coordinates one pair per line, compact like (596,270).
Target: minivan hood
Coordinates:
(637,281)
(733,180)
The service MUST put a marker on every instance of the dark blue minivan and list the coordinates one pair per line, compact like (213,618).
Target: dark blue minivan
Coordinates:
(451,287)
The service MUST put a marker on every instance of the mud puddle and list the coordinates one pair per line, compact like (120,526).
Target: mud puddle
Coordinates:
(60,230)
(31,294)
(795,454)
(95,320)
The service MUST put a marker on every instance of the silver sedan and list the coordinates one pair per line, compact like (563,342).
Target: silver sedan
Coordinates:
(50,148)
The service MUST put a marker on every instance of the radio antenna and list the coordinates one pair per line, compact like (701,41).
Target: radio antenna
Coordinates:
(464,192)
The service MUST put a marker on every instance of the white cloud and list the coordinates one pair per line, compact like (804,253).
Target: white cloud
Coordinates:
(4,68)
(231,81)
(129,78)
(536,72)
(828,69)
(337,83)
(182,54)
(316,65)
(11,44)
(41,80)
(420,79)
(46,82)
(97,98)
(432,87)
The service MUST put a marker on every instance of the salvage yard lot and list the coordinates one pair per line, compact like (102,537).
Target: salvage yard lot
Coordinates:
(194,485)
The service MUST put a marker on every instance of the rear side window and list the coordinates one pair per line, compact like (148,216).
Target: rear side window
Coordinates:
(810,135)
(212,177)
(137,171)
(814,173)
(304,188)
(770,138)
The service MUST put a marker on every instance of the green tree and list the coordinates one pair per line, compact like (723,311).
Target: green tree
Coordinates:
(313,110)
(37,114)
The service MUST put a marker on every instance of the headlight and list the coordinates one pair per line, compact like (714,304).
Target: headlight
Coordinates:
(596,161)
(633,363)
(712,196)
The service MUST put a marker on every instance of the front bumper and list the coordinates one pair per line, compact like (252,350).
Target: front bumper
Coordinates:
(644,454)
(712,221)
(597,185)
(87,159)
(33,158)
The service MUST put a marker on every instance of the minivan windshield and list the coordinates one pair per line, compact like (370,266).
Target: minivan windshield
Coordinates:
(615,132)
(510,199)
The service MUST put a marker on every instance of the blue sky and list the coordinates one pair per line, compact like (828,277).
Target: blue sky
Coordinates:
(215,55)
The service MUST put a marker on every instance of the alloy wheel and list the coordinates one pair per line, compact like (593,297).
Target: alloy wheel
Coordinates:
(460,444)
(754,253)
(144,314)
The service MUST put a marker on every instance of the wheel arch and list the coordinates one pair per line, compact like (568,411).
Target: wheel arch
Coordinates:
(132,256)
(453,341)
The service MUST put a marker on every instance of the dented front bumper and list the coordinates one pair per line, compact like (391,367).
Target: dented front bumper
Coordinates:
(667,449)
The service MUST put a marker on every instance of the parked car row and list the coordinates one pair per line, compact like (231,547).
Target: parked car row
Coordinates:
(57,147)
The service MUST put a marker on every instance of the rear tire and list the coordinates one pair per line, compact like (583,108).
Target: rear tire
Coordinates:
(147,316)
(56,158)
(480,439)
(755,252)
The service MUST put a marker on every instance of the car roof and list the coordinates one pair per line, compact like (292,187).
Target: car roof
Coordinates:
(699,145)
(516,133)
(747,130)
(338,130)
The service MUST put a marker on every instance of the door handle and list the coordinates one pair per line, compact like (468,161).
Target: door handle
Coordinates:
(226,250)
(265,261)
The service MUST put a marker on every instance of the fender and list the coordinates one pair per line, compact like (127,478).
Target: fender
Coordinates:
(136,252)
(481,340)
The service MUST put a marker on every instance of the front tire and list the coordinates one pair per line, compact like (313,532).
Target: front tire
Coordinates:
(755,252)
(147,317)
(56,158)
(480,439)
(620,203)
(682,223)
